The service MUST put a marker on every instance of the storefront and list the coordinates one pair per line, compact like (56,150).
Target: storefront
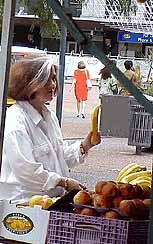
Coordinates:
(134,44)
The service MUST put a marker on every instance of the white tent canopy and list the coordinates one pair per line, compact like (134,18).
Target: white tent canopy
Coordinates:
(18,50)
(138,19)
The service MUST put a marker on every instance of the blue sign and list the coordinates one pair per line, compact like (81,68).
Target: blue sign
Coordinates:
(132,37)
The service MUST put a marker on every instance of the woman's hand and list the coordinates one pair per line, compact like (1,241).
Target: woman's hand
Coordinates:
(86,144)
(73,184)
(70,184)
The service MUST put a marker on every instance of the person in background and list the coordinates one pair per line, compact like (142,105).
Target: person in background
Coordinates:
(36,160)
(30,40)
(81,75)
(107,84)
(129,73)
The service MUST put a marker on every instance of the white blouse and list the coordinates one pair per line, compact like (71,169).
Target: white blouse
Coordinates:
(35,156)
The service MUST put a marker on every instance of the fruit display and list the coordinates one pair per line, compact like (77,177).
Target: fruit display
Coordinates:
(115,200)
(43,200)
(135,174)
(94,122)
(126,198)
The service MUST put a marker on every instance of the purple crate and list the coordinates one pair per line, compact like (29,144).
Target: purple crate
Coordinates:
(138,232)
(68,228)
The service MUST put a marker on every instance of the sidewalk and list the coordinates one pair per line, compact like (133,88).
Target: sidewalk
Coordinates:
(105,160)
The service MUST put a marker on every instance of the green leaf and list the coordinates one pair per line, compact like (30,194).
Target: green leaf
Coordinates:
(40,8)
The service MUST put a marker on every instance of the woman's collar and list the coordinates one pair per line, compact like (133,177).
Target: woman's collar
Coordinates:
(35,116)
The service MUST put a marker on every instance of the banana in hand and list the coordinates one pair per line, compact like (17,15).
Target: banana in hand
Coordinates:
(94,123)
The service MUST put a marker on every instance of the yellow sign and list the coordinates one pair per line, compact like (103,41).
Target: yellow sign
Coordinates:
(10,101)
(126,35)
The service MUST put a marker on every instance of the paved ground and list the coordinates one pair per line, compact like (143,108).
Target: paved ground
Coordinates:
(105,160)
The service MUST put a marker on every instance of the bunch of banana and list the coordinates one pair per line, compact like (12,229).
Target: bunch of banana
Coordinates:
(142,180)
(129,169)
(135,177)
(135,174)
(94,123)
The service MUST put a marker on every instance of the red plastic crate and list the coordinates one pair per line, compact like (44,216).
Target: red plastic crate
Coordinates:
(68,228)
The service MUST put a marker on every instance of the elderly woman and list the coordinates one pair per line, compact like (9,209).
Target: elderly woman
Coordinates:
(35,157)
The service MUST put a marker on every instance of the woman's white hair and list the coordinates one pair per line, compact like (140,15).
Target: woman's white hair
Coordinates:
(28,75)
(45,70)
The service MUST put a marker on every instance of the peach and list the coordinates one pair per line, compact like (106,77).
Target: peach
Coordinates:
(82,197)
(100,201)
(112,215)
(128,207)
(89,211)
(99,186)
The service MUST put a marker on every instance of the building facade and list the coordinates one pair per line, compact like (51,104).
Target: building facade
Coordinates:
(94,18)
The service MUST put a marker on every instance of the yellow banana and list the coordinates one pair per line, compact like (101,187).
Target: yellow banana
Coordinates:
(54,199)
(94,123)
(132,176)
(134,182)
(123,170)
(132,169)
(34,200)
(144,183)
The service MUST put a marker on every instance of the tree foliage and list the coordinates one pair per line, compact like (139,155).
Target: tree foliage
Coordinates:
(40,8)
(128,7)
(45,13)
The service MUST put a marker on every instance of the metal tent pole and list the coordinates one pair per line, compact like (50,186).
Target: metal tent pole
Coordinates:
(5,57)
(59,101)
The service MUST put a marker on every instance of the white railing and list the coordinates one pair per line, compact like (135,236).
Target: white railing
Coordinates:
(94,65)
